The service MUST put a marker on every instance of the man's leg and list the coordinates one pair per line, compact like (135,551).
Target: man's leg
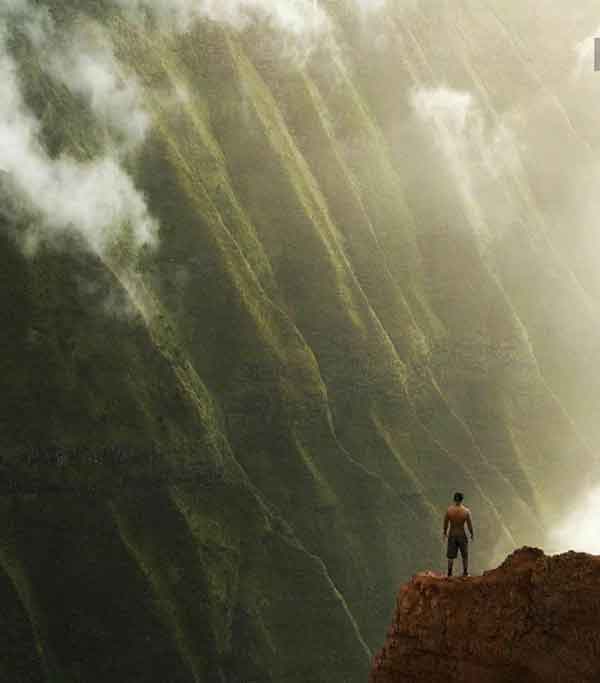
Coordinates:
(464,553)
(451,553)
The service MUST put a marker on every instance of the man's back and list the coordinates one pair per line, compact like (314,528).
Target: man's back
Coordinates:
(456,516)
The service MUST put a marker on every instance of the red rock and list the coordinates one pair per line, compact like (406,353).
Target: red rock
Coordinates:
(534,619)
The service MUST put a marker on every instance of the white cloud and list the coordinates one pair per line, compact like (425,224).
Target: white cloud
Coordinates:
(444,103)
(88,67)
(447,112)
(298,17)
(475,152)
(84,61)
(96,199)
(370,5)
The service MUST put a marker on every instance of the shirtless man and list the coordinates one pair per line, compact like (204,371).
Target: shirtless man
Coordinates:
(456,516)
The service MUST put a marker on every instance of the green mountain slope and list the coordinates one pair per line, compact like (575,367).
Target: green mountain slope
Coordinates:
(222,454)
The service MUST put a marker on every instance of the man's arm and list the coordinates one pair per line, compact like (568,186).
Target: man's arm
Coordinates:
(470,523)
(446,523)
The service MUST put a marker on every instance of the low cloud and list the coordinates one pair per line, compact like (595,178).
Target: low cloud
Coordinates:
(297,17)
(87,66)
(475,151)
(370,5)
(95,199)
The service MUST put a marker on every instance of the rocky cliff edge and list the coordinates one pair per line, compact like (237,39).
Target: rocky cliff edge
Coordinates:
(534,619)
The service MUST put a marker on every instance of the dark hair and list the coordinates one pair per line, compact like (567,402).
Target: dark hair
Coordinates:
(458,497)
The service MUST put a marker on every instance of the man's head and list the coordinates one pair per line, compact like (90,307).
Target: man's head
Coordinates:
(458,498)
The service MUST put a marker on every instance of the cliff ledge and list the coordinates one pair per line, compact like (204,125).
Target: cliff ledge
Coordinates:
(533,619)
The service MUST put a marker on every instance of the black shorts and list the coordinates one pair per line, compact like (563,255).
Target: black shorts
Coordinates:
(456,543)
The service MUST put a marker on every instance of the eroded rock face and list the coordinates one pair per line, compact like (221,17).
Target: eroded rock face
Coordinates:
(533,619)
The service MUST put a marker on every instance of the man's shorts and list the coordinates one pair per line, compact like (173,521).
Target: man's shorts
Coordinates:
(456,543)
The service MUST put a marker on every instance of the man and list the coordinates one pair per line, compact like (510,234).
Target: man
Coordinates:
(456,516)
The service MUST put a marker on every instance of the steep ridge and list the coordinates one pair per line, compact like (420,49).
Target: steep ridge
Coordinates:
(243,438)
(534,618)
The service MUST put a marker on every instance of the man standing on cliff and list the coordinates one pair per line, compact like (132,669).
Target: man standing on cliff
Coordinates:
(455,518)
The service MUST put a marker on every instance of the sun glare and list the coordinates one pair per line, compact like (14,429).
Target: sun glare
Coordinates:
(581,529)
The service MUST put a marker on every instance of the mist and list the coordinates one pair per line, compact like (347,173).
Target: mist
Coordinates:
(96,199)
(301,18)
(579,530)
(304,19)
(86,64)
